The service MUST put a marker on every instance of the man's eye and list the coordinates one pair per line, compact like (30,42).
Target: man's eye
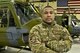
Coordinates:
(48,12)
(51,12)
(45,12)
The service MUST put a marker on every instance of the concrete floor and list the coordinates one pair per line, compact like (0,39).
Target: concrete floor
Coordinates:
(14,50)
(75,49)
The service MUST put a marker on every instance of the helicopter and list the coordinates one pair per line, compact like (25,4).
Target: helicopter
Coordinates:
(71,22)
(17,17)
(13,32)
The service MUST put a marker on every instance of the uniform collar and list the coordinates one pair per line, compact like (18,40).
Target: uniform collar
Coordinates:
(48,25)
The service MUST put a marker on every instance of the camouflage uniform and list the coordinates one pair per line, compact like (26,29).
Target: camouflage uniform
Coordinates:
(44,38)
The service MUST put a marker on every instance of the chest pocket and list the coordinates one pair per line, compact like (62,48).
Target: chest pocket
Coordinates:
(58,34)
(44,35)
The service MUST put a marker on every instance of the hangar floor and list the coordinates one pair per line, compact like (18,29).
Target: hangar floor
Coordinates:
(75,48)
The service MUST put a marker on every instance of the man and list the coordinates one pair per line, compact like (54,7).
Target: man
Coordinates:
(49,37)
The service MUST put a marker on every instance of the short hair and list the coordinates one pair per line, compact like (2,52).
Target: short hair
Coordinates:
(46,7)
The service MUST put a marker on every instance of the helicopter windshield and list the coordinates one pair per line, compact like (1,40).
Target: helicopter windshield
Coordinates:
(26,13)
(76,23)
(6,17)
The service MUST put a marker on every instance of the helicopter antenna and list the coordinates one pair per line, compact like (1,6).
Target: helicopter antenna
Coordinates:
(47,2)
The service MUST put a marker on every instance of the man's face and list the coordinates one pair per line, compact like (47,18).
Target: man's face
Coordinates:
(48,15)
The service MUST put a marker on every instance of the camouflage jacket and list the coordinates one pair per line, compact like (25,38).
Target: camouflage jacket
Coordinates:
(44,38)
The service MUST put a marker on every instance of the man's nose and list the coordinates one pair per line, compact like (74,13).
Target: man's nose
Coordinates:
(48,14)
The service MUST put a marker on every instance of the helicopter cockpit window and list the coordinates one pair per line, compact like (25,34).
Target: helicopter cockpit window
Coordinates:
(6,18)
(65,21)
(11,20)
(3,19)
(26,13)
(75,22)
